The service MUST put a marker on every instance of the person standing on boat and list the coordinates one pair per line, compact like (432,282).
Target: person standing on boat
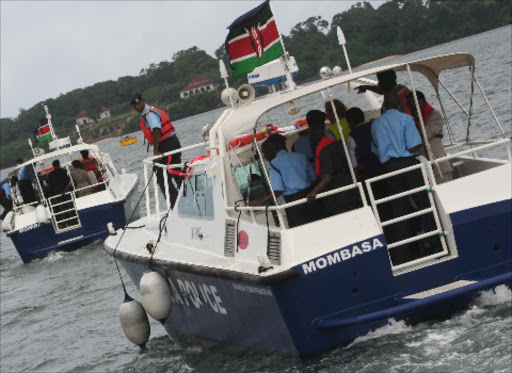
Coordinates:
(396,141)
(291,176)
(58,179)
(387,83)
(26,176)
(433,121)
(160,132)
(331,167)
(5,197)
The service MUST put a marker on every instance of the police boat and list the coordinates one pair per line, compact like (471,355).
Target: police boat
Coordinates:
(47,217)
(216,271)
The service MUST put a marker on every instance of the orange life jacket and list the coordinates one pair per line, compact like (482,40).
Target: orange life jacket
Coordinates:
(322,144)
(165,122)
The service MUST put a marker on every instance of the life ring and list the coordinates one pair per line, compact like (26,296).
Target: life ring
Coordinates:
(46,170)
(302,122)
(246,139)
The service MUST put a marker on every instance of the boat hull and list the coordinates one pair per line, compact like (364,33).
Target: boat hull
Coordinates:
(39,240)
(331,300)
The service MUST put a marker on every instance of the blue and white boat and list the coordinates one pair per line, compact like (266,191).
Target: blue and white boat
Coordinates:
(68,221)
(235,277)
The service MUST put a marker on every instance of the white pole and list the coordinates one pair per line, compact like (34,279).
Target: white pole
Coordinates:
(342,42)
(49,117)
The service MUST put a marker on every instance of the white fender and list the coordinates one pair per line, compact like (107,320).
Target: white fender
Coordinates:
(134,321)
(27,209)
(41,215)
(8,222)
(156,295)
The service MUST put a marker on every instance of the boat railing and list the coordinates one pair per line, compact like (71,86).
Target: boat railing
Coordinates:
(149,164)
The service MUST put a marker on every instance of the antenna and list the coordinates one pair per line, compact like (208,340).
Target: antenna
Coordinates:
(80,140)
(49,117)
(224,75)
(342,41)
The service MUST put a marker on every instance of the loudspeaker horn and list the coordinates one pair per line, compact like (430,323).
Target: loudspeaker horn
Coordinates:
(246,93)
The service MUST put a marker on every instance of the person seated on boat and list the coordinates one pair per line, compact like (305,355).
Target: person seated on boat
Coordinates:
(160,132)
(91,164)
(80,179)
(333,130)
(26,177)
(291,176)
(331,167)
(58,179)
(396,141)
(387,83)
(5,197)
(433,121)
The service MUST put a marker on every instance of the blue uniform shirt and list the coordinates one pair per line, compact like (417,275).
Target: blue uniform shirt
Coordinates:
(6,187)
(303,145)
(392,134)
(26,173)
(291,172)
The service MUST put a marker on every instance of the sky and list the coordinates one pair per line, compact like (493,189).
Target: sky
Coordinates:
(48,48)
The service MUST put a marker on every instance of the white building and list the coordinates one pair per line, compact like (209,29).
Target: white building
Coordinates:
(198,85)
(82,118)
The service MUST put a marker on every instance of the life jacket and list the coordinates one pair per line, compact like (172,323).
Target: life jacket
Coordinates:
(344,127)
(167,127)
(427,110)
(321,145)
(90,165)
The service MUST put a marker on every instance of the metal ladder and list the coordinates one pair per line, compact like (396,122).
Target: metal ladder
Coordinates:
(426,187)
(64,213)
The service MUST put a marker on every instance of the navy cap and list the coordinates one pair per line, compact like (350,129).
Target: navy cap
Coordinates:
(136,98)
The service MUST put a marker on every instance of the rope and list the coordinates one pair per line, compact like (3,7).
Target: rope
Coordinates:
(124,231)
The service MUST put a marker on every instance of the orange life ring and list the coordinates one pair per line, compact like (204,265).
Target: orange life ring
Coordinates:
(246,139)
(46,170)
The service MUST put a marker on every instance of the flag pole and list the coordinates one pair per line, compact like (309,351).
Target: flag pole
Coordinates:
(49,117)
(285,59)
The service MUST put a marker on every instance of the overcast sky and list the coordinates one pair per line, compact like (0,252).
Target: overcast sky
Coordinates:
(53,47)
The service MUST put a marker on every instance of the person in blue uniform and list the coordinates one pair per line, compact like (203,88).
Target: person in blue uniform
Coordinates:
(396,141)
(291,176)
(159,131)
(26,176)
(5,197)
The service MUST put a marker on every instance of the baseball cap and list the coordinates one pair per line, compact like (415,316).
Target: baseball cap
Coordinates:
(136,98)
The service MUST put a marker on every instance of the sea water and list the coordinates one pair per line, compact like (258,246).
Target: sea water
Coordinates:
(60,314)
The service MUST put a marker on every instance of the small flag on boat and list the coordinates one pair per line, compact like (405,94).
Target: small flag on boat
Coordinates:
(253,40)
(42,131)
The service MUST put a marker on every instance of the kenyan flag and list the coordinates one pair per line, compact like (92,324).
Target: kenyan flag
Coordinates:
(253,40)
(43,133)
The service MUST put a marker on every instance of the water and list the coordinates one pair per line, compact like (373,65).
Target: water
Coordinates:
(60,314)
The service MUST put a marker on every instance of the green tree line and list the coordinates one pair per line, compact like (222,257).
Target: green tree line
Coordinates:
(395,27)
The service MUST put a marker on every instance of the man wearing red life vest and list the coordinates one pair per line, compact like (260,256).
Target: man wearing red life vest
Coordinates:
(387,83)
(160,132)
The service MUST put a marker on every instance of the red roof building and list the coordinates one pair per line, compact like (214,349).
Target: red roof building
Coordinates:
(198,85)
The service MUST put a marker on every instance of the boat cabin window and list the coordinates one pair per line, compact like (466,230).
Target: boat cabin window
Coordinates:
(197,198)
(251,182)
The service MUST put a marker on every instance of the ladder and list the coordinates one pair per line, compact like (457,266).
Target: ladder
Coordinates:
(64,212)
(436,234)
